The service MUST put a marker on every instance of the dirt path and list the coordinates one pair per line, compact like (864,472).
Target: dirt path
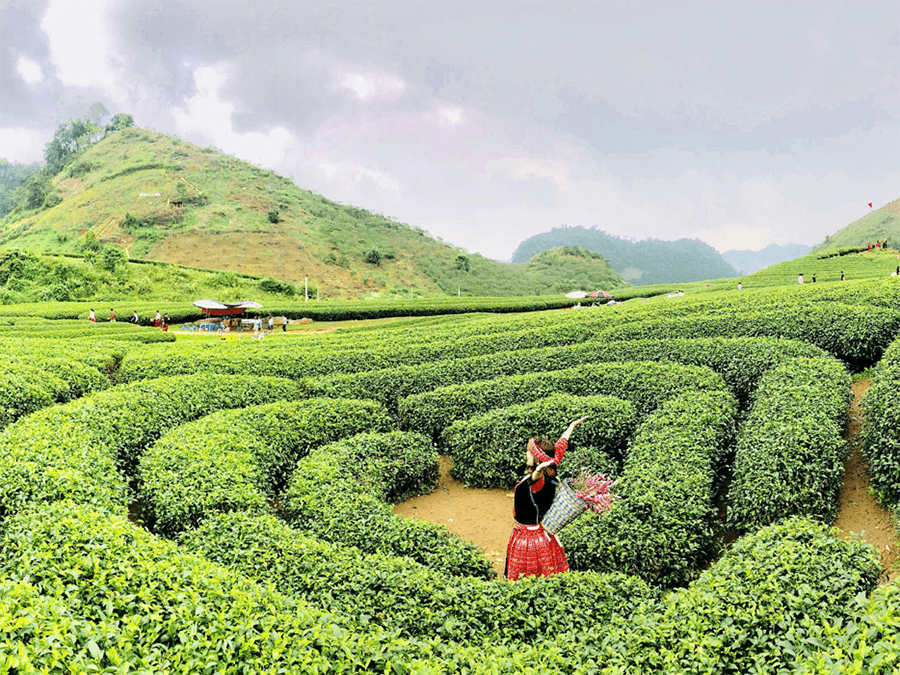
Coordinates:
(484,517)
(858,510)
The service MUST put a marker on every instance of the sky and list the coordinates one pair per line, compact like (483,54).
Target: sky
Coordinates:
(741,123)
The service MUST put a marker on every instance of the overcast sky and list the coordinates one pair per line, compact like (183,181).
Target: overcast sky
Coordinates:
(740,123)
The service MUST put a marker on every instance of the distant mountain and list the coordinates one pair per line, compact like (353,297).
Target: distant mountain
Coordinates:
(875,226)
(651,261)
(748,262)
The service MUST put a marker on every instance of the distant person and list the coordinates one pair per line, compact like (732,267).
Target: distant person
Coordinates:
(91,316)
(165,323)
(284,323)
(134,318)
(157,320)
(884,244)
(740,286)
(271,324)
(842,275)
(877,244)
(814,278)
(112,315)
(800,278)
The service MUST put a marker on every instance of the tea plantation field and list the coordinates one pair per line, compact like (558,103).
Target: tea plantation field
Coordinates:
(175,503)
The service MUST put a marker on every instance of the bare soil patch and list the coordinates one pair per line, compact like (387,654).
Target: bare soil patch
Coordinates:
(483,517)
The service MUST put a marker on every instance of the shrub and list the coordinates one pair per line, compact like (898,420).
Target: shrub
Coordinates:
(488,449)
(240,459)
(746,614)
(644,384)
(881,408)
(789,457)
(339,493)
(398,594)
(662,528)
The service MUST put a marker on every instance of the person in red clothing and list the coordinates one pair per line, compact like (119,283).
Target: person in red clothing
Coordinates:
(531,551)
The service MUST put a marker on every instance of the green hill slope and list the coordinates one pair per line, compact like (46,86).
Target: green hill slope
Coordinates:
(652,261)
(874,226)
(157,197)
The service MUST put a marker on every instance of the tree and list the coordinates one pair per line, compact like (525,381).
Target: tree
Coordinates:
(97,113)
(118,122)
(462,262)
(34,192)
(111,258)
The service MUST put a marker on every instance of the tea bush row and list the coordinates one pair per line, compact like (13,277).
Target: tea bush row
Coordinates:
(27,386)
(663,526)
(740,361)
(881,408)
(87,592)
(396,593)
(789,457)
(755,610)
(240,459)
(855,334)
(488,450)
(644,384)
(83,450)
(342,493)
(61,329)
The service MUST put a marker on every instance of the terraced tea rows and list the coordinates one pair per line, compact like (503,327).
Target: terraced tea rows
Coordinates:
(274,492)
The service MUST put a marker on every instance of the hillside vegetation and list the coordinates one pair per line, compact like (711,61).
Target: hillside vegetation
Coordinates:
(874,226)
(651,261)
(156,197)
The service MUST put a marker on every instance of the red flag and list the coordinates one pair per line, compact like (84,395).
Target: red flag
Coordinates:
(870,205)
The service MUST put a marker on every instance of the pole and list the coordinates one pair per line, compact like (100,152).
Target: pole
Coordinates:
(306,289)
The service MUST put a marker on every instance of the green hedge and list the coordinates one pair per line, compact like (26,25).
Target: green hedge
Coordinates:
(881,411)
(789,457)
(644,384)
(398,594)
(855,334)
(27,385)
(240,459)
(749,612)
(663,526)
(488,449)
(865,640)
(84,449)
(342,493)
(740,361)
(69,330)
(84,592)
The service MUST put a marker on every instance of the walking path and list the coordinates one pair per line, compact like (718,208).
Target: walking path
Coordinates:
(858,510)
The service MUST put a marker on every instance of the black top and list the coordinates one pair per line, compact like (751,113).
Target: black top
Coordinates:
(529,507)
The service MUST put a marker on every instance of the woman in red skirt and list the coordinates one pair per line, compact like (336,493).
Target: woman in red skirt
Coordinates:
(531,551)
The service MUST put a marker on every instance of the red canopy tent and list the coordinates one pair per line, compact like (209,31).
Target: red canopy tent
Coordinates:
(600,294)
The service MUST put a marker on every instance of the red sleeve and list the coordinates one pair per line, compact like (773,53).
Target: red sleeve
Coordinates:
(560,449)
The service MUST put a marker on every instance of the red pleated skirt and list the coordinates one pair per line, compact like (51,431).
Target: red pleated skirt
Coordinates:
(531,551)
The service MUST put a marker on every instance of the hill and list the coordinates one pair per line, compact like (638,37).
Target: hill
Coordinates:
(156,197)
(875,226)
(651,261)
(747,262)
(575,268)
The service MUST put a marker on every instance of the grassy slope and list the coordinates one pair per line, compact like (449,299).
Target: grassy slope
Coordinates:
(875,225)
(195,206)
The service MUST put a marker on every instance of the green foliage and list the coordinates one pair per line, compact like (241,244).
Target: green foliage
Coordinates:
(397,594)
(488,449)
(240,459)
(645,385)
(749,613)
(662,528)
(881,408)
(85,449)
(789,457)
(340,493)
(651,261)
(270,285)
